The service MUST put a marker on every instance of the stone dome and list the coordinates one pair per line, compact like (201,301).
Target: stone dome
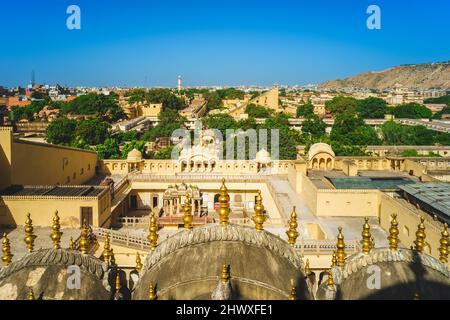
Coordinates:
(134,155)
(320,147)
(404,274)
(188,265)
(47,273)
(263,157)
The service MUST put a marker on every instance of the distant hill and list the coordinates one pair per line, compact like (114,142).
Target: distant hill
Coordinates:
(420,76)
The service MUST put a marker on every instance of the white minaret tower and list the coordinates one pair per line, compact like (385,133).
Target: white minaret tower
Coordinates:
(179,84)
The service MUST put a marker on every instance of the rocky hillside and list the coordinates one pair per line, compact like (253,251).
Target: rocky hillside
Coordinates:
(420,76)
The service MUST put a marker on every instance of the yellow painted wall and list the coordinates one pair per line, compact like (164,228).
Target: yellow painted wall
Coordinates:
(5,156)
(45,164)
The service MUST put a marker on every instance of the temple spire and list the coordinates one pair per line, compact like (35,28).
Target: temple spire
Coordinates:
(71,244)
(30,295)
(259,218)
(138,262)
(393,233)
(330,280)
(29,235)
(334,261)
(153,232)
(293,293)
(340,251)
(419,243)
(443,249)
(84,238)
(366,237)
(224,202)
(56,233)
(187,216)
(292,231)
(106,254)
(151,292)
(307,269)
(6,249)
(225,275)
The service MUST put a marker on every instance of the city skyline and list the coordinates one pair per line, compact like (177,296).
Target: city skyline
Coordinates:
(150,44)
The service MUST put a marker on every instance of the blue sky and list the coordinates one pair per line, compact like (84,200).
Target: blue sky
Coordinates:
(148,43)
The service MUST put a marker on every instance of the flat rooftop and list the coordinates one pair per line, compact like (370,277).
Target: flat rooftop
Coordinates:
(55,191)
(434,195)
(379,180)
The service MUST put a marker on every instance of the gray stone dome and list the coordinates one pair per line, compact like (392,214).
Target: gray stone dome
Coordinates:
(46,273)
(188,265)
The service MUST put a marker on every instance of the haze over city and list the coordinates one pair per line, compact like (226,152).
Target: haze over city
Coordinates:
(148,43)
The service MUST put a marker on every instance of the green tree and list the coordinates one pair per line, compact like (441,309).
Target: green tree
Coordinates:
(314,126)
(257,111)
(412,111)
(61,131)
(350,135)
(92,131)
(220,122)
(109,149)
(372,108)
(94,104)
(164,153)
(341,104)
(305,111)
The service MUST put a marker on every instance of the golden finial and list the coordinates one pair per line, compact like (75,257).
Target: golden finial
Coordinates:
(187,217)
(293,294)
(30,294)
(393,233)
(292,231)
(420,236)
(330,280)
(151,292)
(443,249)
(29,236)
(71,244)
(307,269)
(118,286)
(153,232)
(106,254)
(366,237)
(84,238)
(340,245)
(56,233)
(138,262)
(334,261)
(224,200)
(6,249)
(225,275)
(259,218)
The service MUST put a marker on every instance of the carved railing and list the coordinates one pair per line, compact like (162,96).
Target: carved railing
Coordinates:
(317,247)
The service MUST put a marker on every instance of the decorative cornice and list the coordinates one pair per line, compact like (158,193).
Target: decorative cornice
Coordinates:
(230,233)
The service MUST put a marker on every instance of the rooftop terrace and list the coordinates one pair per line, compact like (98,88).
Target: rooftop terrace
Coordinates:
(54,191)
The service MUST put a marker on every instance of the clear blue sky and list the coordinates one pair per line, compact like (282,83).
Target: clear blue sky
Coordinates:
(147,42)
